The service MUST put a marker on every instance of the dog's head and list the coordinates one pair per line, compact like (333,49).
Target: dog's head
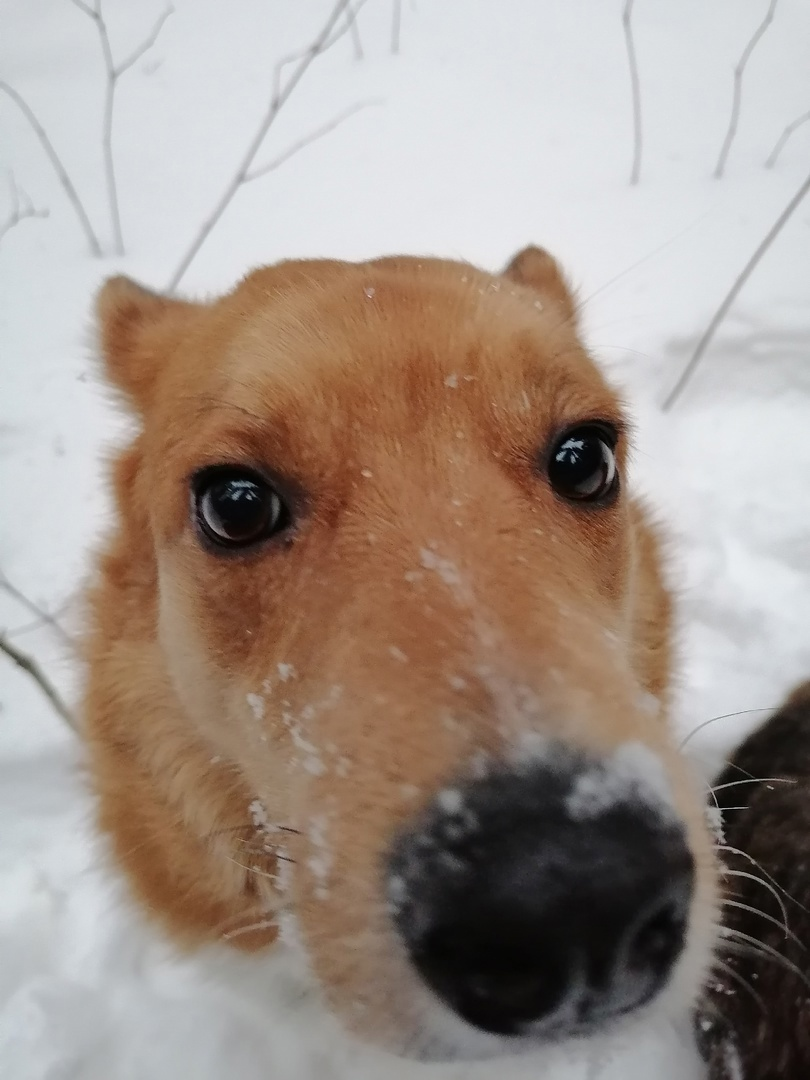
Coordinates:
(382,653)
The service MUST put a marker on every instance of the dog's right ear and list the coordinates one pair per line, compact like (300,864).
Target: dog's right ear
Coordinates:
(138,329)
(538,271)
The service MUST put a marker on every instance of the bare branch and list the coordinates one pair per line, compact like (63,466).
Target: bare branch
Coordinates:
(737,95)
(59,168)
(32,668)
(635,85)
(113,73)
(354,30)
(396,26)
(149,41)
(307,140)
(783,138)
(107,120)
(92,13)
(732,295)
(42,615)
(21,209)
(282,90)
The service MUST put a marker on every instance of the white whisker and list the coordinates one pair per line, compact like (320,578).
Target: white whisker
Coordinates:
(736,938)
(762,870)
(261,924)
(753,780)
(714,719)
(764,915)
(736,977)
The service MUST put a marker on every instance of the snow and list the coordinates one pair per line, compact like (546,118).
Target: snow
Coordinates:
(445,568)
(496,125)
(256,705)
(633,773)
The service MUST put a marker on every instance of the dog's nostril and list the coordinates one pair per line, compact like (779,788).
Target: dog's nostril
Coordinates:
(494,980)
(655,944)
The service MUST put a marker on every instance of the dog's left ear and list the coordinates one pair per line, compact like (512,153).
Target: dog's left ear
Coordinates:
(537,270)
(139,330)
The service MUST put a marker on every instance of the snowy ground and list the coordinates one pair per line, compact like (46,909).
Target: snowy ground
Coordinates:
(498,124)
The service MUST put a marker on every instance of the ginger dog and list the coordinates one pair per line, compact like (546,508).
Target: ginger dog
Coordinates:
(380,655)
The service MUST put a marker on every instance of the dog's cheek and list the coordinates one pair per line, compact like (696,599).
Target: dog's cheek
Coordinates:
(689,802)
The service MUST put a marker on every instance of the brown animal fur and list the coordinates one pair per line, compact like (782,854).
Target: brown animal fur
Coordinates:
(434,599)
(756,1019)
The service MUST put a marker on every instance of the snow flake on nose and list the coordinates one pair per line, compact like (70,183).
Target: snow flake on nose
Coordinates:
(455,821)
(369,292)
(633,773)
(451,382)
(450,801)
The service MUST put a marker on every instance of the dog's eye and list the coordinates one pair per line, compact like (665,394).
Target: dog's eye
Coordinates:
(583,464)
(235,507)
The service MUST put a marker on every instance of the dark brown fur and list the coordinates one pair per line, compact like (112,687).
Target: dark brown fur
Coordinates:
(759,1017)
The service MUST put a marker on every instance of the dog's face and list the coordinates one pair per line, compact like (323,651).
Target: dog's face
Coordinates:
(403,602)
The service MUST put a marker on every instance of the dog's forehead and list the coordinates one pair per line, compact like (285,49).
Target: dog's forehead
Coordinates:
(349,338)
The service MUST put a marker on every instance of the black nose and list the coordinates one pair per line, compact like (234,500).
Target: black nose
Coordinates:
(528,911)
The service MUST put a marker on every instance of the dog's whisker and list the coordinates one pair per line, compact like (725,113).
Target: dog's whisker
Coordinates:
(762,870)
(209,399)
(257,869)
(251,928)
(752,780)
(765,884)
(714,719)
(738,939)
(248,827)
(730,972)
(764,915)
(259,911)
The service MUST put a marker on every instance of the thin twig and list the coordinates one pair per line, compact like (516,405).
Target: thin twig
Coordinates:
(21,208)
(147,44)
(635,84)
(783,138)
(354,30)
(114,72)
(32,668)
(280,95)
(396,26)
(41,614)
(59,168)
(737,94)
(732,295)
(307,140)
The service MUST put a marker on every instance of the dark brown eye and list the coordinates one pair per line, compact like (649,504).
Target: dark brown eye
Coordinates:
(583,464)
(236,507)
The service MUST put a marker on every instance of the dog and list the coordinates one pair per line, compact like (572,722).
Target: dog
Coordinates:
(755,1022)
(379,657)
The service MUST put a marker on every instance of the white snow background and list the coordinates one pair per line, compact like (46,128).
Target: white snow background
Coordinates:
(497,124)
